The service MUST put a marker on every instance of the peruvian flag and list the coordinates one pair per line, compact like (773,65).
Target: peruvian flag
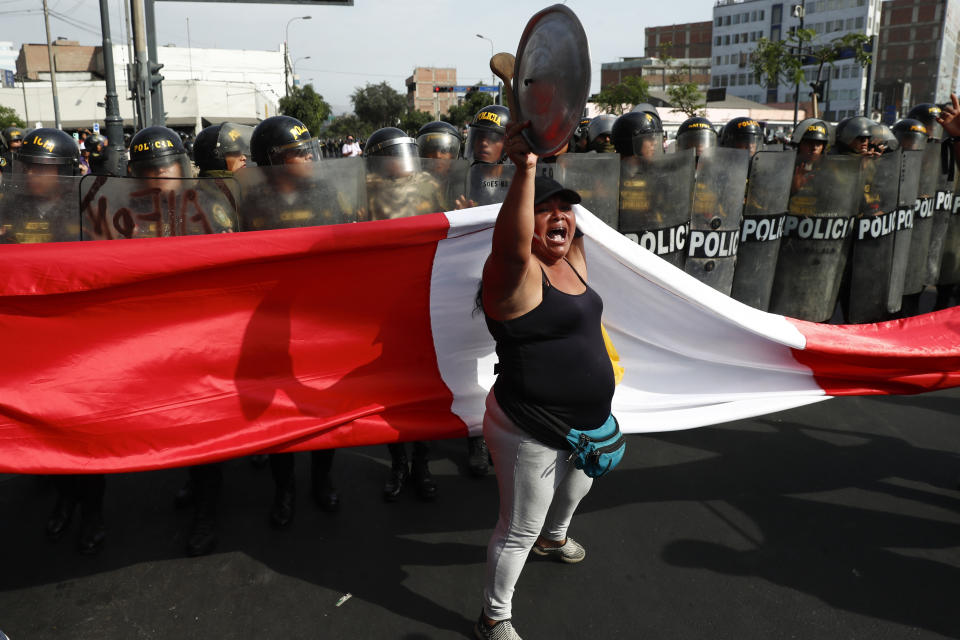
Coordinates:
(153,353)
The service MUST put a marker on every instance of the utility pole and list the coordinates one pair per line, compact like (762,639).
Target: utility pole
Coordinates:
(141,65)
(53,69)
(799,10)
(114,123)
(155,79)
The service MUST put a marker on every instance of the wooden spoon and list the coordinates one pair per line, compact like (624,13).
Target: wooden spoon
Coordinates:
(502,66)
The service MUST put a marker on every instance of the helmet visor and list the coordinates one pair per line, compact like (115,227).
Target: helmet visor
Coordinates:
(647,145)
(235,138)
(176,165)
(484,145)
(299,151)
(698,139)
(913,141)
(438,145)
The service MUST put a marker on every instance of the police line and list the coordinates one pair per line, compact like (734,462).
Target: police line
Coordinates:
(778,237)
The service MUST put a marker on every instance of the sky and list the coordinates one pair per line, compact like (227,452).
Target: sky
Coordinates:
(371,42)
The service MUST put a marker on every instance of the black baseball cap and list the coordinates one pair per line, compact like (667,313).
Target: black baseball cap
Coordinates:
(545,188)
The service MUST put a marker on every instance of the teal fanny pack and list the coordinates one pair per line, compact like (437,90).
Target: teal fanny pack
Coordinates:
(597,451)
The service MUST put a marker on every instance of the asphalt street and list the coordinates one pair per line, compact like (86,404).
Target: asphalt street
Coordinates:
(835,520)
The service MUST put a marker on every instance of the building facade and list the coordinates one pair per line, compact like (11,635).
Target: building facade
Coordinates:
(739,24)
(421,94)
(688,40)
(919,55)
(656,72)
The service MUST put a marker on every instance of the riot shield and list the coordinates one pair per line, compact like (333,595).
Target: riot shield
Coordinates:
(871,261)
(816,239)
(942,209)
(302,195)
(393,193)
(452,177)
(910,166)
(715,215)
(655,199)
(764,212)
(596,177)
(917,267)
(488,183)
(950,260)
(115,207)
(38,208)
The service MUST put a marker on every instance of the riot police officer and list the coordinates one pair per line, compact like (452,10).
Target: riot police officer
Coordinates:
(222,149)
(810,138)
(742,133)
(95,147)
(856,136)
(285,144)
(928,114)
(600,132)
(580,139)
(637,133)
(911,134)
(696,133)
(158,152)
(438,140)
(10,140)
(485,135)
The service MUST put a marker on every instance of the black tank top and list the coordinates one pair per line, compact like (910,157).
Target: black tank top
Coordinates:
(553,361)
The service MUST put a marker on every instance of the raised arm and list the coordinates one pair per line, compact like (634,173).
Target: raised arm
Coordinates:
(950,121)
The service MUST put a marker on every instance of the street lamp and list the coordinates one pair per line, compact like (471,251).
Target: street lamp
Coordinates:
(286,53)
(492,81)
(295,66)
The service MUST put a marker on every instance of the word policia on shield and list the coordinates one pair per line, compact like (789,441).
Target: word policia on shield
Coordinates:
(303,303)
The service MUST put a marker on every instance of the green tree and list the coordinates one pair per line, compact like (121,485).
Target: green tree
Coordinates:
(413,119)
(307,106)
(460,115)
(632,90)
(776,63)
(349,125)
(683,93)
(379,105)
(9,118)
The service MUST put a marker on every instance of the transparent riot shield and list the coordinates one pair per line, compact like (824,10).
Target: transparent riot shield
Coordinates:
(871,261)
(911,165)
(488,183)
(816,239)
(596,177)
(942,210)
(923,215)
(715,215)
(397,189)
(764,212)
(38,208)
(655,199)
(115,207)
(302,195)
(452,177)
(950,260)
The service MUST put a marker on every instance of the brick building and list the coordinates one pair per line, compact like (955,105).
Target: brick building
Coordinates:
(72,61)
(688,40)
(656,72)
(918,54)
(420,90)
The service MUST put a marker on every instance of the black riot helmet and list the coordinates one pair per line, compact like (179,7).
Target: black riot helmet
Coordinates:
(911,133)
(279,136)
(10,135)
(742,133)
(50,147)
(637,133)
(215,143)
(813,129)
(486,133)
(439,139)
(156,152)
(855,134)
(884,138)
(646,107)
(399,150)
(696,133)
(599,129)
(927,114)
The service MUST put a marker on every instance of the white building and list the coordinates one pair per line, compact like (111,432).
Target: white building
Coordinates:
(739,24)
(200,87)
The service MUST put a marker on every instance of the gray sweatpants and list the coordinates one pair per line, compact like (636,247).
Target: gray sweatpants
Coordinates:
(539,491)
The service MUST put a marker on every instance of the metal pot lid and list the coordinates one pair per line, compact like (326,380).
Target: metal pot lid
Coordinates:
(551,78)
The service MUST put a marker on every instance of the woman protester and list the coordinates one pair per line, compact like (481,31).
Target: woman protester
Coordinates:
(554,370)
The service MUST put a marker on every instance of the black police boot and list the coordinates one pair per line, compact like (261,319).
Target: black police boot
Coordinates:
(478,456)
(203,534)
(93,532)
(284,506)
(324,493)
(60,517)
(399,473)
(423,480)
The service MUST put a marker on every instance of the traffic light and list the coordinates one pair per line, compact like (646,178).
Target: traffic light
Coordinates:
(155,78)
(817,90)
(439,89)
